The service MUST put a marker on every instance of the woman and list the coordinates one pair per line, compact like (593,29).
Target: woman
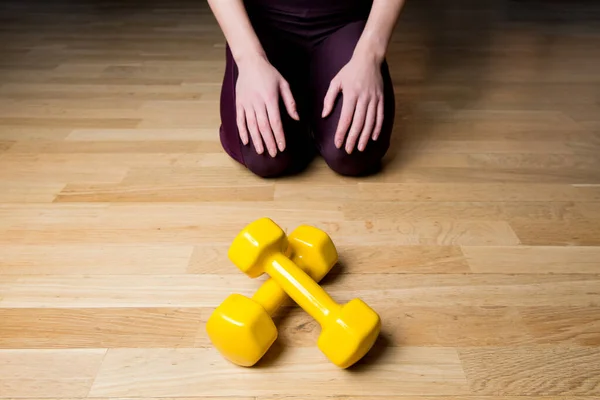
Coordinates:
(306,76)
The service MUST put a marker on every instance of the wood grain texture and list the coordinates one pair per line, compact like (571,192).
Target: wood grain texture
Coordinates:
(478,243)
(373,259)
(208,290)
(566,325)
(99,327)
(160,372)
(533,259)
(533,370)
(108,259)
(48,373)
(576,233)
(416,397)
(5,145)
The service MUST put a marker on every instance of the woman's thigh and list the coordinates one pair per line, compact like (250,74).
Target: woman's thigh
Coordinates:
(326,61)
(292,63)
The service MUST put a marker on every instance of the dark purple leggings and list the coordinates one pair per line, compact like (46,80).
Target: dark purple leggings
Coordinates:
(308,42)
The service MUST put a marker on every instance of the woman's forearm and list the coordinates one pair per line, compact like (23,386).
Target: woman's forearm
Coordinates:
(378,30)
(235,24)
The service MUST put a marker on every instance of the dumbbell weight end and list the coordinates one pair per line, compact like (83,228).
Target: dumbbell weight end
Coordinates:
(347,331)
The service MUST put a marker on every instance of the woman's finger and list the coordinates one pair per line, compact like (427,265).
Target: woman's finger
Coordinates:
(368,127)
(275,121)
(357,124)
(265,129)
(288,99)
(379,122)
(254,133)
(241,123)
(348,105)
(330,96)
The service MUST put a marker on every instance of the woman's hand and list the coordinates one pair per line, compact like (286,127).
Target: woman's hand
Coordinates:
(259,84)
(361,84)
(258,88)
(360,80)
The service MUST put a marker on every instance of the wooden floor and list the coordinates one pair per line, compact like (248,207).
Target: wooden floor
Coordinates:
(479,244)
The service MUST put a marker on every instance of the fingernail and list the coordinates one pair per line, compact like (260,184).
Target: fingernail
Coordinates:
(281,147)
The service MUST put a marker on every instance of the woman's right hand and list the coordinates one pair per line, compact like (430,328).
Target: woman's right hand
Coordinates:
(258,88)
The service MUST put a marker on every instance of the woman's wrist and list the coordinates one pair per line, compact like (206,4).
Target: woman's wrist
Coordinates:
(372,49)
(249,57)
(375,38)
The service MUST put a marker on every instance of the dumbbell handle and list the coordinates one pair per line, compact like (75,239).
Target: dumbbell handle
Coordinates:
(270,295)
(301,288)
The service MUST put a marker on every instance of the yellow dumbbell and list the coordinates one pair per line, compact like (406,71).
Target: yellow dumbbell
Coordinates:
(347,331)
(241,328)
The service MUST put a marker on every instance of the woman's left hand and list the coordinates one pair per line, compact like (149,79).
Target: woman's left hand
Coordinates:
(361,84)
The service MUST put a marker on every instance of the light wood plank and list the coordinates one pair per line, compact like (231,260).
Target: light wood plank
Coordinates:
(417,397)
(463,175)
(70,123)
(210,260)
(171,398)
(533,370)
(132,193)
(509,211)
(187,223)
(564,325)
(18,133)
(513,161)
(438,192)
(48,373)
(591,210)
(132,159)
(107,148)
(439,145)
(381,290)
(65,169)
(533,259)
(426,259)
(177,112)
(357,259)
(29,192)
(179,373)
(441,232)
(97,291)
(103,259)
(5,145)
(573,233)
(99,328)
(204,137)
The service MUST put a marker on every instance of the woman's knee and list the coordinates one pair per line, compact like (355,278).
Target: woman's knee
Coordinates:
(265,168)
(283,164)
(356,163)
